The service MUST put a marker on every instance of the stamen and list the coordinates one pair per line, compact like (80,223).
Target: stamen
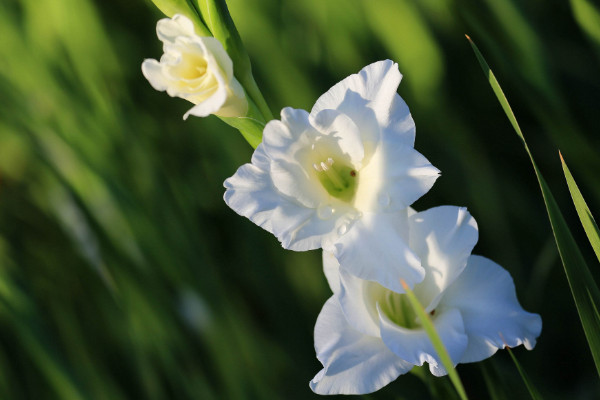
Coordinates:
(337,178)
(334,177)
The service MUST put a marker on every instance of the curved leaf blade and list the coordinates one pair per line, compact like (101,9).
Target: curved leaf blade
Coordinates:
(581,282)
(435,340)
(585,215)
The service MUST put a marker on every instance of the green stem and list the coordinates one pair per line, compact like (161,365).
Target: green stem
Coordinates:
(254,92)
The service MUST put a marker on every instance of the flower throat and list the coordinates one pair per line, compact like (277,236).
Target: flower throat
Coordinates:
(338,179)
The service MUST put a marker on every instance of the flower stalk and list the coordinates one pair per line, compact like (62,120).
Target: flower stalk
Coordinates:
(216,15)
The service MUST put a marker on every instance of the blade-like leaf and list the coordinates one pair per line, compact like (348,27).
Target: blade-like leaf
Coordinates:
(584,289)
(535,395)
(435,340)
(587,16)
(585,215)
(493,381)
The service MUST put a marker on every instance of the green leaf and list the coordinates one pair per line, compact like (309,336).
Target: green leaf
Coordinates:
(493,381)
(438,345)
(585,215)
(588,18)
(584,289)
(535,395)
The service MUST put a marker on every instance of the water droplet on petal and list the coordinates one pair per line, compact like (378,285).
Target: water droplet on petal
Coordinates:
(384,200)
(342,230)
(325,212)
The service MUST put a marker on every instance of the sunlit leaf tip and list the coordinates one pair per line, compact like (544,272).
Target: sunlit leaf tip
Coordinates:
(583,211)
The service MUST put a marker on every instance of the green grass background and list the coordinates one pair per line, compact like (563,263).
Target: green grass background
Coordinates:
(123,275)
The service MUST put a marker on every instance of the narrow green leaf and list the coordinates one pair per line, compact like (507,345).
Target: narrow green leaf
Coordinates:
(583,287)
(493,381)
(439,387)
(498,91)
(585,215)
(535,395)
(435,340)
(588,17)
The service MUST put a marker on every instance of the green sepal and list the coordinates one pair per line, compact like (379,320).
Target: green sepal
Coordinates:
(183,7)
(251,126)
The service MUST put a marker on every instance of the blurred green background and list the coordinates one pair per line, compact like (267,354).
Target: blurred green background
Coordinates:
(123,275)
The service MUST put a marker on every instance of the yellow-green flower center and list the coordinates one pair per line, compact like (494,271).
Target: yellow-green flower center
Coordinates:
(192,66)
(398,309)
(339,180)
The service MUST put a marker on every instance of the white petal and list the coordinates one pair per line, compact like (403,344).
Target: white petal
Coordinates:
(485,295)
(443,238)
(210,105)
(414,346)
(294,181)
(357,109)
(344,131)
(375,248)
(153,72)
(283,139)
(331,268)
(317,231)
(353,363)
(236,104)
(395,177)
(400,124)
(286,142)
(358,299)
(215,50)
(252,194)
(376,86)
(168,29)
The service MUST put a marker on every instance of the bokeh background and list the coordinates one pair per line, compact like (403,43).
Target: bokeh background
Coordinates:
(123,275)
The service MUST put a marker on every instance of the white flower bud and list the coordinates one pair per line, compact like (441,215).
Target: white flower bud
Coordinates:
(197,69)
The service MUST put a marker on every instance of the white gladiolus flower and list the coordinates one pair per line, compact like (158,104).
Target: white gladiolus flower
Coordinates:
(367,335)
(341,178)
(197,69)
